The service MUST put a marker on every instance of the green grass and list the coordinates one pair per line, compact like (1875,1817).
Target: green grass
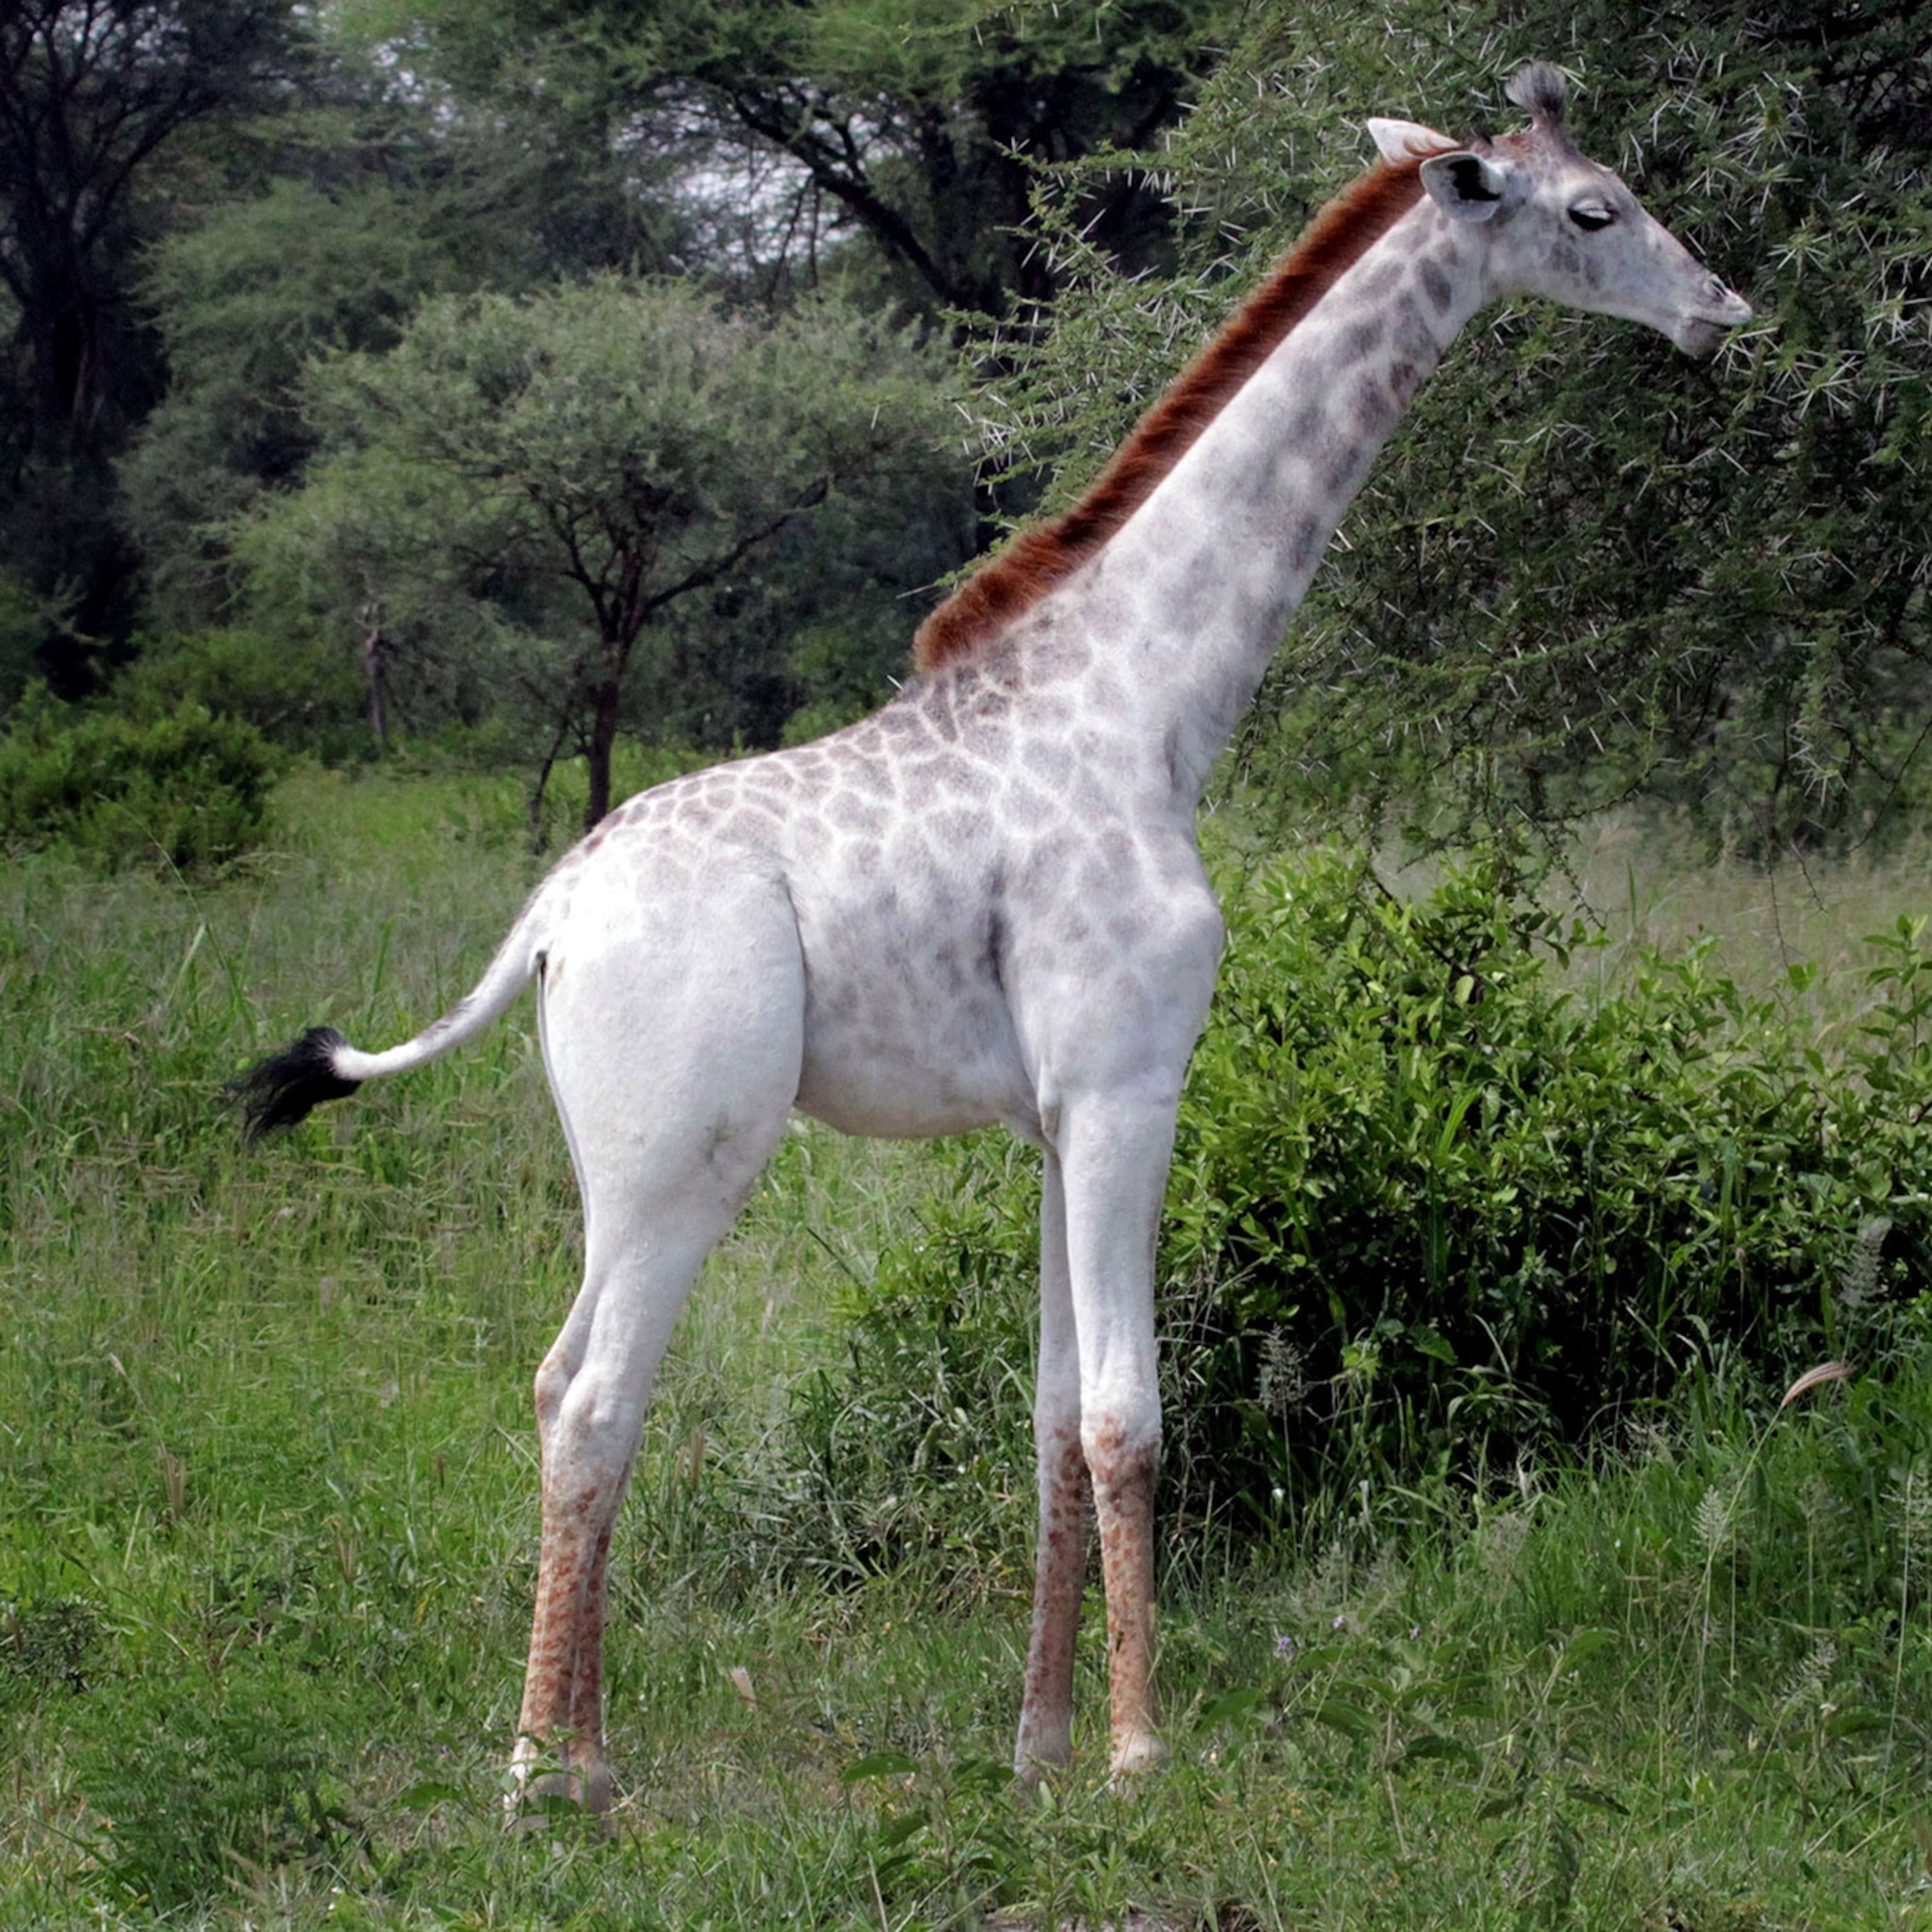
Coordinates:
(267,1533)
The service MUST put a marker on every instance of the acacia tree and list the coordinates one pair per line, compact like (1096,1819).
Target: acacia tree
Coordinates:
(381,190)
(579,463)
(239,302)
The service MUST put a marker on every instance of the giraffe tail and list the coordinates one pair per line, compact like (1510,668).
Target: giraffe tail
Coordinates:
(287,1087)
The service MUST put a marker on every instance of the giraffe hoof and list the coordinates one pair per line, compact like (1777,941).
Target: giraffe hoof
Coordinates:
(1136,1756)
(1036,1768)
(1041,1751)
(533,1804)
(538,1800)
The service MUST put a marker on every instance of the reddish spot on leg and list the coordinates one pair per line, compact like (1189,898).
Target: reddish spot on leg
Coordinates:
(586,1691)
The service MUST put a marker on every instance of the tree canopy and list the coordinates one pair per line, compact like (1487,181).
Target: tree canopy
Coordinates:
(1585,569)
(92,93)
(583,461)
(90,90)
(918,127)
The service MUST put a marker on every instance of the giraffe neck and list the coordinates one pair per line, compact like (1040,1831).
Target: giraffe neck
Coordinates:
(1189,601)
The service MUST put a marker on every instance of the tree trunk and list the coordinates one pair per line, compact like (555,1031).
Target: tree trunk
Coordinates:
(603,737)
(375,659)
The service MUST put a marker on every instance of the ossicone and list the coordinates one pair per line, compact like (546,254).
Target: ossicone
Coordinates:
(1539,89)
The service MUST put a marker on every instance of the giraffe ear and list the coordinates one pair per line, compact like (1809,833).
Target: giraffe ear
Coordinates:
(1467,186)
(1403,140)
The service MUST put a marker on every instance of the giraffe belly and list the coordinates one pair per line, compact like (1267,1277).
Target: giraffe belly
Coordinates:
(899,1069)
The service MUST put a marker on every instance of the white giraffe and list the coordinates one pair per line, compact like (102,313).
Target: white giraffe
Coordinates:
(984,903)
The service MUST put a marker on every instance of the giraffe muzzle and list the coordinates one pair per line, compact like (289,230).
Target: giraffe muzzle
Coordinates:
(1701,333)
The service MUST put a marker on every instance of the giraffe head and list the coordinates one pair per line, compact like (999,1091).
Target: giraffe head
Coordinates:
(1559,226)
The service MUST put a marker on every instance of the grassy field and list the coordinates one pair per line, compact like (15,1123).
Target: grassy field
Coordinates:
(269,1521)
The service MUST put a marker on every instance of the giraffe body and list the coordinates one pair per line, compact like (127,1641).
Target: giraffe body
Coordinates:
(985,905)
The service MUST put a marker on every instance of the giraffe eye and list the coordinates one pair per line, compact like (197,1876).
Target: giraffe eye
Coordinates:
(1591,215)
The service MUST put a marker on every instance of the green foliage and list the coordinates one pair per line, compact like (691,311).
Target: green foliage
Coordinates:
(380,213)
(1585,566)
(1429,1205)
(1431,1208)
(223,1780)
(25,622)
(193,200)
(95,106)
(298,694)
(902,135)
(597,465)
(183,788)
(46,1643)
(909,1447)
(241,301)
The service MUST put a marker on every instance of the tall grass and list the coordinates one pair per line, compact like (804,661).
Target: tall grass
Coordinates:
(267,1537)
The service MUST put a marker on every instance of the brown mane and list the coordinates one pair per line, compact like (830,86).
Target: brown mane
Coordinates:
(1036,559)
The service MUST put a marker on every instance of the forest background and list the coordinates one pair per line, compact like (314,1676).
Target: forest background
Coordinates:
(339,395)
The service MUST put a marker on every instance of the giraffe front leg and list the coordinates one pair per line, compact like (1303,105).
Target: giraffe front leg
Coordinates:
(585,1754)
(1124,1470)
(1045,1739)
(1114,1154)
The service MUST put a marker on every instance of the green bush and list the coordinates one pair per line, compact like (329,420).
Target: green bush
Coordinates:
(1428,1205)
(1431,1210)
(186,789)
(296,690)
(193,1784)
(25,620)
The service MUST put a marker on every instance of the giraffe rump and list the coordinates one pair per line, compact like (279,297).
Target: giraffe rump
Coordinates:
(288,1086)
(1037,559)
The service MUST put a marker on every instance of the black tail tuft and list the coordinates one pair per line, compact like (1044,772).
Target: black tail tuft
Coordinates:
(282,1089)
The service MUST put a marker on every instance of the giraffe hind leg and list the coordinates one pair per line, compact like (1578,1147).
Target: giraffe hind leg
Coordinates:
(673,1053)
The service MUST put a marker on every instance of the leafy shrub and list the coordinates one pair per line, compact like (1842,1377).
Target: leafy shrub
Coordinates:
(914,1444)
(1430,1209)
(1428,1205)
(26,620)
(187,789)
(296,691)
(192,1784)
(47,1642)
